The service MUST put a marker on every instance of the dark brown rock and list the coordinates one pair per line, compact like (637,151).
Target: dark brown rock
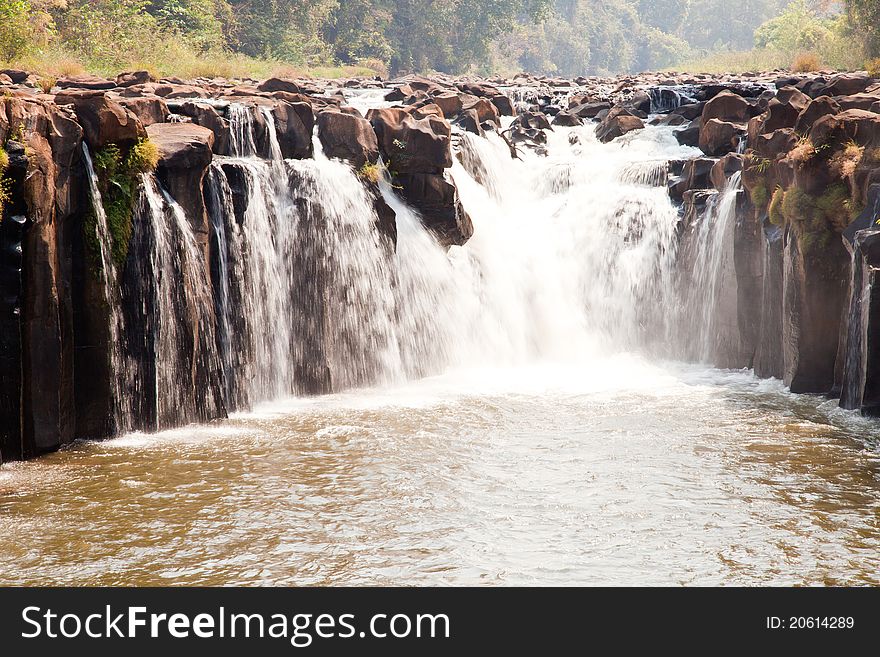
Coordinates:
(103,120)
(348,138)
(727,107)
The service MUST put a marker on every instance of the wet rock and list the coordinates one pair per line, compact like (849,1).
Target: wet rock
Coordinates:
(690,136)
(436,200)
(294,124)
(186,151)
(723,169)
(769,351)
(485,110)
(860,381)
(348,138)
(566,120)
(470,122)
(535,120)
(412,145)
(690,111)
(618,122)
(589,110)
(814,288)
(504,105)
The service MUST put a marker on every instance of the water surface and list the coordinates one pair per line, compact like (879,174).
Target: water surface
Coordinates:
(616,471)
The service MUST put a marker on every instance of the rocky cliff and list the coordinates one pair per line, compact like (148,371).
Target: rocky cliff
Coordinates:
(75,263)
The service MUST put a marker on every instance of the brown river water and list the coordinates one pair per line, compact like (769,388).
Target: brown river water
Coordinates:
(623,472)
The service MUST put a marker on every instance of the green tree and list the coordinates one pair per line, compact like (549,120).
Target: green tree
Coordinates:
(864,16)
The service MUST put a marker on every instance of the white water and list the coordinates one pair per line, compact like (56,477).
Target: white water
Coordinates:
(573,255)
(111,282)
(177,373)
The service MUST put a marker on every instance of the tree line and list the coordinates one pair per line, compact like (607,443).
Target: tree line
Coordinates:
(567,37)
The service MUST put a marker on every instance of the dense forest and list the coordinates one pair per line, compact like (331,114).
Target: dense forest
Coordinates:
(566,37)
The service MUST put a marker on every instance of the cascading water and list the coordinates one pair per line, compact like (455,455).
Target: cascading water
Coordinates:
(110,283)
(710,295)
(572,254)
(176,376)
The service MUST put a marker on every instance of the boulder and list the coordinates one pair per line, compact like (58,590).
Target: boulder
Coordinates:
(148,109)
(616,123)
(857,125)
(639,102)
(294,124)
(449,103)
(844,84)
(724,168)
(412,145)
(863,101)
(134,77)
(720,137)
(348,138)
(399,94)
(103,120)
(182,145)
(690,111)
(504,105)
(727,107)
(85,81)
(17,76)
(589,110)
(208,117)
(469,122)
(815,110)
(535,120)
(689,136)
(281,84)
(772,144)
(484,109)
(566,120)
(783,111)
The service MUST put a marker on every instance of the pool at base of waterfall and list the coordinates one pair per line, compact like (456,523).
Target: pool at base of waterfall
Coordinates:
(616,471)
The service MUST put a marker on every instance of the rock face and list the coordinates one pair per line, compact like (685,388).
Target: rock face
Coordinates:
(412,145)
(186,151)
(349,138)
(103,120)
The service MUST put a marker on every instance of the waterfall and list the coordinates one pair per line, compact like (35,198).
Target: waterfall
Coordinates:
(122,419)
(710,302)
(573,254)
(176,376)
(241,128)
